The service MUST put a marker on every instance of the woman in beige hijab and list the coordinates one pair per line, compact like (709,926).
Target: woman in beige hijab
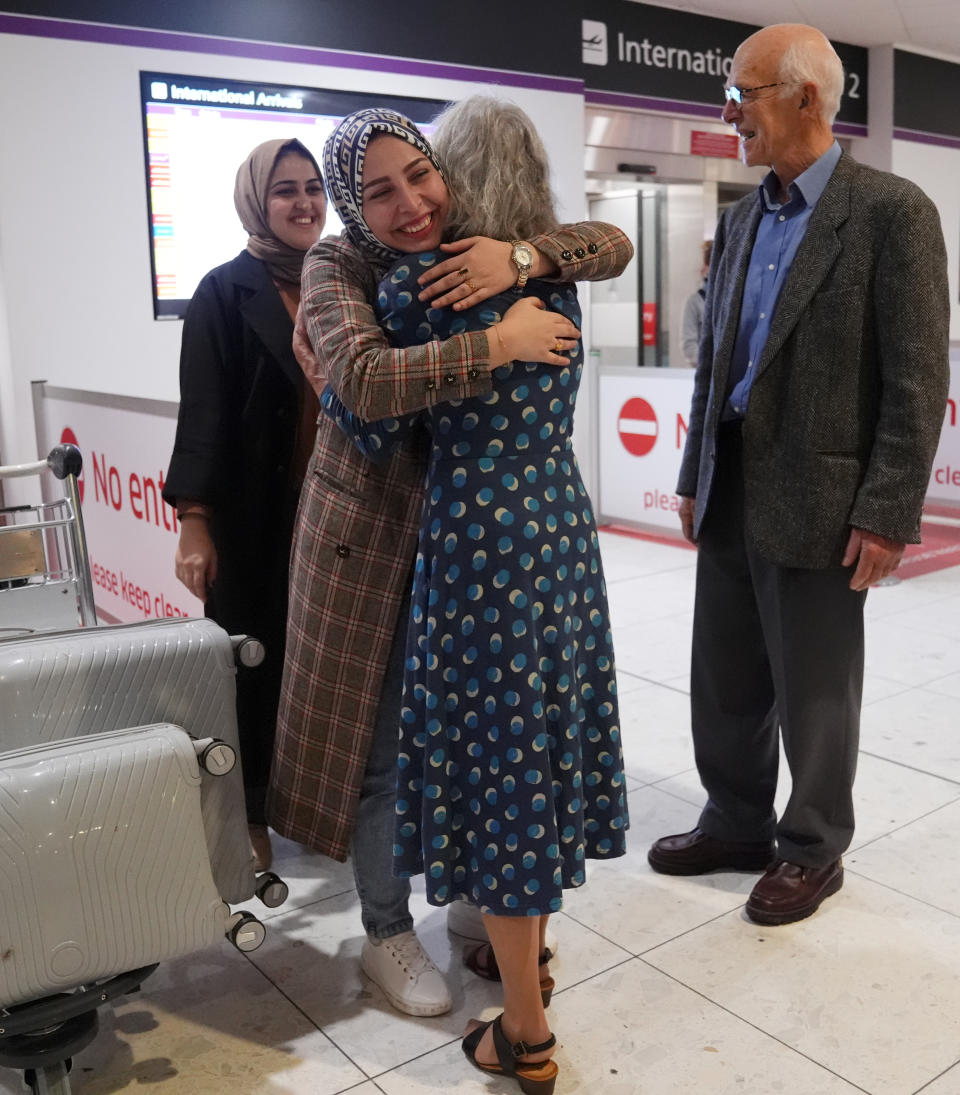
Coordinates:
(244,435)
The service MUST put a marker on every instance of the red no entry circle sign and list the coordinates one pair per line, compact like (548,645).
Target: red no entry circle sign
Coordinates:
(637,426)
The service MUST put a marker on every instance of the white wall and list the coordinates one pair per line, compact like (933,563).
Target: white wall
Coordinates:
(875,149)
(685,219)
(614,303)
(73,210)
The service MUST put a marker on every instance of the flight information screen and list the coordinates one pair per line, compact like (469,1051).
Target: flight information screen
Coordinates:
(197,132)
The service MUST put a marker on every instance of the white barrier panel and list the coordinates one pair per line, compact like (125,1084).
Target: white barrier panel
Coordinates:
(945,477)
(643,428)
(131,532)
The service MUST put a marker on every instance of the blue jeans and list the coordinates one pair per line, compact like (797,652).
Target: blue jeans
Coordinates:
(384,898)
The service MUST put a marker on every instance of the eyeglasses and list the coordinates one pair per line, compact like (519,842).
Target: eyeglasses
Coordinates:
(739,94)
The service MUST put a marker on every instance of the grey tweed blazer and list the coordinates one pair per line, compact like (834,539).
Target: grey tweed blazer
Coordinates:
(848,401)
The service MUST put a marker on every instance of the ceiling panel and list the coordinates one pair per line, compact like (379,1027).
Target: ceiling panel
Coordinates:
(926,24)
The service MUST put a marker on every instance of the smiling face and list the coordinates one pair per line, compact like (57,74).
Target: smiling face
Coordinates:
(405,200)
(766,121)
(781,126)
(296,203)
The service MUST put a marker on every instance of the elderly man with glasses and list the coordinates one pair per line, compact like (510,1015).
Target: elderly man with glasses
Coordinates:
(817,406)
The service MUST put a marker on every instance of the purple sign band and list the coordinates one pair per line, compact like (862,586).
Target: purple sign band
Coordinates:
(926,138)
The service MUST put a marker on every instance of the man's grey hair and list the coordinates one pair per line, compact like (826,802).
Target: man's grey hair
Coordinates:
(497,170)
(808,60)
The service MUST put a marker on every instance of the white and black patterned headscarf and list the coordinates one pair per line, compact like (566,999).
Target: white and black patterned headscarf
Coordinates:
(343,156)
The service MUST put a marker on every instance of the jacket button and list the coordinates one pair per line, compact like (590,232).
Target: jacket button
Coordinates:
(592,248)
(473,373)
(430,385)
(343,551)
(450,378)
(566,255)
(580,253)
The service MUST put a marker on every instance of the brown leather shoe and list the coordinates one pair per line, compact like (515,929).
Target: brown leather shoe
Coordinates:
(788,892)
(697,853)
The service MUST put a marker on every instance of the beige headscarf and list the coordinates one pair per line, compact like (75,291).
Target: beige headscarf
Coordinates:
(250,198)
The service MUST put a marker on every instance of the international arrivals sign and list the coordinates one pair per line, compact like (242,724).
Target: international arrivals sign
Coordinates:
(658,58)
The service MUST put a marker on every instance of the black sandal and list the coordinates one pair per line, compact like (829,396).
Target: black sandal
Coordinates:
(537,1078)
(490,971)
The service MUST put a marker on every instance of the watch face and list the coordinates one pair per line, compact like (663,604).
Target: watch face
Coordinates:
(522,255)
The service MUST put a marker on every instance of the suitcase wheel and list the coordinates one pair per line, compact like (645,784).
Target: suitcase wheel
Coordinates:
(247,651)
(272,890)
(215,756)
(245,931)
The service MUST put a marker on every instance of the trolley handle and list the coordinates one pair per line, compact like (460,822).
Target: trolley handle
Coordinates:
(63,460)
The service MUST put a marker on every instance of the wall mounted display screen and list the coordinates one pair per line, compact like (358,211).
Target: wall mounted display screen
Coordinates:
(197,132)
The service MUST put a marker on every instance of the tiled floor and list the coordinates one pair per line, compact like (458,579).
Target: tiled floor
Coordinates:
(664,988)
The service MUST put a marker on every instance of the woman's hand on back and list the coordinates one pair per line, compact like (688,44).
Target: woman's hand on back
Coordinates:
(529,332)
(479,269)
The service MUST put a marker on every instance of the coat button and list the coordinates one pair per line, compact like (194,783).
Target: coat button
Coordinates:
(343,551)
(430,385)
(473,373)
(566,255)
(592,248)
(450,378)
(580,253)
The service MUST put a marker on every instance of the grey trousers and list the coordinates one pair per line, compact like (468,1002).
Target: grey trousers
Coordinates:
(384,898)
(774,649)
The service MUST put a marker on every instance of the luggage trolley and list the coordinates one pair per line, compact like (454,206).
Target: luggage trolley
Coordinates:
(45,580)
(108,736)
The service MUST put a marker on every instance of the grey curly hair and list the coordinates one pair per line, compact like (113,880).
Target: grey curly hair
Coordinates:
(496,168)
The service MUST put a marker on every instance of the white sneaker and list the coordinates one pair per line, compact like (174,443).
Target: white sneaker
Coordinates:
(406,974)
(464,919)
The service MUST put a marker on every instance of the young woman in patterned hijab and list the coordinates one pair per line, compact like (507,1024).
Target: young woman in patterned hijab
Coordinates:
(388,188)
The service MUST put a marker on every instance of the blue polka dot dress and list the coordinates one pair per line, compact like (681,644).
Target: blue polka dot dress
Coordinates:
(511,771)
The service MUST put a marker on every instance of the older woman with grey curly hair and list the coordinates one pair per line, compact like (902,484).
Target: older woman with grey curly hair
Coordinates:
(510,768)
(487,194)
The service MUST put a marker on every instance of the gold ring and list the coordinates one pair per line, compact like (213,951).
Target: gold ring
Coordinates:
(558,349)
(469,284)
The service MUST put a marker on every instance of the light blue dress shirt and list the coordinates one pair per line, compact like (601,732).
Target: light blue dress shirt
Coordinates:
(780,232)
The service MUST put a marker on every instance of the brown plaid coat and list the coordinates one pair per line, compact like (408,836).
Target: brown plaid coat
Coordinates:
(356,533)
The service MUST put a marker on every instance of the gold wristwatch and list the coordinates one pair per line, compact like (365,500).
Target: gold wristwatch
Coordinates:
(522,256)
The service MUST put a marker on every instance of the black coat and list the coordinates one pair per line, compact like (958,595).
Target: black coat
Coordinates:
(240,392)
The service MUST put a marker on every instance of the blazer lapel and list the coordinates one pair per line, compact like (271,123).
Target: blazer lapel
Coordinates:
(815,256)
(266,313)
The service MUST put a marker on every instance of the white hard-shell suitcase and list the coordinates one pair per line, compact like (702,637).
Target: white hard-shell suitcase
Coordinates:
(89,681)
(103,864)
